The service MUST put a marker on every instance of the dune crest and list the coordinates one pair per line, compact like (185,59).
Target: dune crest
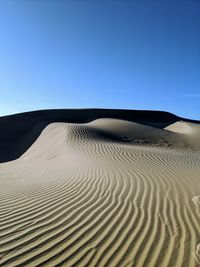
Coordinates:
(190,131)
(184,127)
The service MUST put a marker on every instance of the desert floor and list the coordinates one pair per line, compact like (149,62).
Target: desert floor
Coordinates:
(104,193)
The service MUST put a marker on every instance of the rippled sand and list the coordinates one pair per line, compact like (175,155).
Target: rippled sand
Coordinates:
(105,193)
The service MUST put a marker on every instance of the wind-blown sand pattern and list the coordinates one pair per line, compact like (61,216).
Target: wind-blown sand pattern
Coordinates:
(104,193)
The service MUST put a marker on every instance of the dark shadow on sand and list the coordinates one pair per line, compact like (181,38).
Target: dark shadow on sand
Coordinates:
(18,132)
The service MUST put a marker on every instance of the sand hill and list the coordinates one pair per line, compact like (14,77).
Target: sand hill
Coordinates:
(106,188)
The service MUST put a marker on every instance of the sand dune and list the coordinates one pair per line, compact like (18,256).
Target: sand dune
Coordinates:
(184,128)
(19,131)
(108,192)
(189,131)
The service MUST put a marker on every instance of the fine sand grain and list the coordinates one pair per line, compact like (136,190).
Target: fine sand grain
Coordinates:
(105,193)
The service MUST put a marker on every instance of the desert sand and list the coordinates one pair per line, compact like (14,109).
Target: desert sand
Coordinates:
(118,188)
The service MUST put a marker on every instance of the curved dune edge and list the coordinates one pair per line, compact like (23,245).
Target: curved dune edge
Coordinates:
(89,195)
(190,131)
(19,131)
(184,128)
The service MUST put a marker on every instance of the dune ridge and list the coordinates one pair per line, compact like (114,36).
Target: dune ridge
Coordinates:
(19,131)
(108,192)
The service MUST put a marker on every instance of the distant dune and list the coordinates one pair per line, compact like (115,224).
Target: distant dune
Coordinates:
(99,187)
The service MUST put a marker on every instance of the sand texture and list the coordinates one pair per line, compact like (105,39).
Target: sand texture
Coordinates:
(109,192)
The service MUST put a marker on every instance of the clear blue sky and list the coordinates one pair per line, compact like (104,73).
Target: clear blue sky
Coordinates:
(100,53)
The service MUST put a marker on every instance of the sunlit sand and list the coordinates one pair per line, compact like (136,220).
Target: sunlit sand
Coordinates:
(109,192)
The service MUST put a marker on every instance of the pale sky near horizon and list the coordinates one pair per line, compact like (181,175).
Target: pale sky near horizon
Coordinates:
(110,54)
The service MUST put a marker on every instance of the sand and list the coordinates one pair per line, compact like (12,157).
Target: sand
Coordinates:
(109,192)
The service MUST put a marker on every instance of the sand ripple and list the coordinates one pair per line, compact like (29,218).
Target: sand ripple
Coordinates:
(83,196)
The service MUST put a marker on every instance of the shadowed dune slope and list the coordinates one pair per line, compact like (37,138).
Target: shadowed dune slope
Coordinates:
(18,132)
(107,193)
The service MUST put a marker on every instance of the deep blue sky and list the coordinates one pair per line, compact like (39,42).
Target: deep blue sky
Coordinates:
(100,53)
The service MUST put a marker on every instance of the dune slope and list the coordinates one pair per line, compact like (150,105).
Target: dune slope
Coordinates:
(19,131)
(104,193)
